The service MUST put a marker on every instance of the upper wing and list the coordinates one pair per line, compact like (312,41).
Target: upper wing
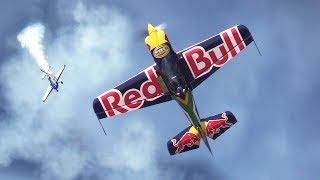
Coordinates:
(46,94)
(58,75)
(140,91)
(203,59)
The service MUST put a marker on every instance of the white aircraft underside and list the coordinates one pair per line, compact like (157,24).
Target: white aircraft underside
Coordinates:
(53,80)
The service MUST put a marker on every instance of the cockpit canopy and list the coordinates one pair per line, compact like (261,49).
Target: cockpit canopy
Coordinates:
(172,75)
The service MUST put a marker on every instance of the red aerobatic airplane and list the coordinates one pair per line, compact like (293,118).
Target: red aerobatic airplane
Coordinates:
(173,77)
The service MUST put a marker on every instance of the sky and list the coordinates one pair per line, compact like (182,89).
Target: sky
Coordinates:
(274,96)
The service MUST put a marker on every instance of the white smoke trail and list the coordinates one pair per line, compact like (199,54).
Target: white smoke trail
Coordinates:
(31,38)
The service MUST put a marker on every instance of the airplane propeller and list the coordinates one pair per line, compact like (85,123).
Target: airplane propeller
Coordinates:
(162,26)
(143,33)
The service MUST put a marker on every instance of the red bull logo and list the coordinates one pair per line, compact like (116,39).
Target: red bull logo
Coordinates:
(189,139)
(201,62)
(214,126)
(114,102)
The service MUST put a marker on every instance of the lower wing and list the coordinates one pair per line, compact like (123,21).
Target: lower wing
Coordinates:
(142,90)
(47,93)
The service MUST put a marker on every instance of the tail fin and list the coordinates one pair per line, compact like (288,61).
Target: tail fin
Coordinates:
(216,125)
(186,140)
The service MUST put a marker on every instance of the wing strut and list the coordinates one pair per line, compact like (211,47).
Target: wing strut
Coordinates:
(102,127)
(257,47)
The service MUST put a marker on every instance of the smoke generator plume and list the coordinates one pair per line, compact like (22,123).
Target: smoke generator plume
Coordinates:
(31,38)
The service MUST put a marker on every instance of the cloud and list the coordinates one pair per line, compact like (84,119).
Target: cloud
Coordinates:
(61,138)
(274,100)
(31,38)
(61,135)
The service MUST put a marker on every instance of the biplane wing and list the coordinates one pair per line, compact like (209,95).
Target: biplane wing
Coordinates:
(203,59)
(47,93)
(142,90)
(59,73)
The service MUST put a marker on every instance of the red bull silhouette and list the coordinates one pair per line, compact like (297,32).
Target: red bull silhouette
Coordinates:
(213,127)
(189,139)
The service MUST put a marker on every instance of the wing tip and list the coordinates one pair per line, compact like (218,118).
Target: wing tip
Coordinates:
(242,27)
(245,33)
(98,109)
(170,149)
(231,117)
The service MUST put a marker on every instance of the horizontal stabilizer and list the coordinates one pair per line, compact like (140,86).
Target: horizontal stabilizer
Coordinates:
(186,140)
(216,125)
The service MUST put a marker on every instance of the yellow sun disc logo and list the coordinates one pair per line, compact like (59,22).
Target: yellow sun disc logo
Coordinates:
(161,51)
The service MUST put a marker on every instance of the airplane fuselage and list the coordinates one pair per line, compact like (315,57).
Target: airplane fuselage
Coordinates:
(54,84)
(176,84)
(173,79)
(171,73)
